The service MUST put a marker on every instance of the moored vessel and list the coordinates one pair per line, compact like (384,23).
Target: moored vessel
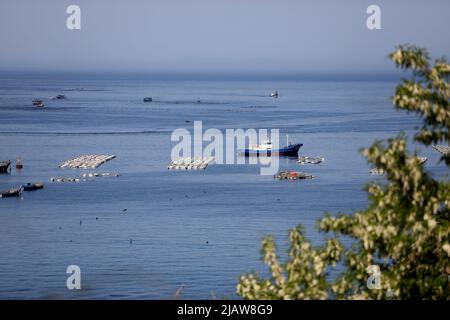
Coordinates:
(266,149)
(33,186)
(13,192)
(38,103)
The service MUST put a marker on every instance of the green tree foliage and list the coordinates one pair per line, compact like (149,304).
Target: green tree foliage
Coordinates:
(428,94)
(405,230)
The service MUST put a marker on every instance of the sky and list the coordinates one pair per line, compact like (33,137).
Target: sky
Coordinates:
(217,36)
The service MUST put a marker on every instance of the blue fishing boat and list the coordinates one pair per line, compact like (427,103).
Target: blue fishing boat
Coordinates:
(265,149)
(33,186)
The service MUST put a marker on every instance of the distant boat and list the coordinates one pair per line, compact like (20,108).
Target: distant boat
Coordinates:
(33,186)
(60,97)
(4,166)
(274,94)
(19,164)
(14,192)
(38,103)
(148,99)
(422,160)
(265,149)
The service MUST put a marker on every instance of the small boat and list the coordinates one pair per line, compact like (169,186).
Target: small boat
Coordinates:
(148,99)
(19,164)
(4,166)
(60,97)
(14,192)
(265,149)
(376,171)
(274,94)
(38,103)
(422,160)
(33,186)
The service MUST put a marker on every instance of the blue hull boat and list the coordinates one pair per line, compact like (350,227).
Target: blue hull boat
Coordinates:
(289,151)
(32,186)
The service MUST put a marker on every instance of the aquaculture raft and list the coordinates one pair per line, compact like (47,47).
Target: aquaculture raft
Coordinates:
(310,160)
(62,179)
(87,161)
(100,174)
(4,166)
(292,175)
(85,177)
(190,163)
(442,149)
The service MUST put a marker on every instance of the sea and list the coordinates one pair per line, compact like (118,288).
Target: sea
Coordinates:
(154,233)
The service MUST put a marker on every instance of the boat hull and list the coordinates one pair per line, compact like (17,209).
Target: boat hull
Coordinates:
(11,193)
(32,187)
(290,151)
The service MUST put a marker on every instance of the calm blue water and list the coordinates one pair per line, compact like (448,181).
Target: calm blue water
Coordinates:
(172,215)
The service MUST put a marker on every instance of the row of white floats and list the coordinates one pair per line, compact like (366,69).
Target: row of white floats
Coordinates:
(310,160)
(442,149)
(84,177)
(189,163)
(87,161)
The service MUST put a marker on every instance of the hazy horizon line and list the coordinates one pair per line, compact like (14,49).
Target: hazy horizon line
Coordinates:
(219,75)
